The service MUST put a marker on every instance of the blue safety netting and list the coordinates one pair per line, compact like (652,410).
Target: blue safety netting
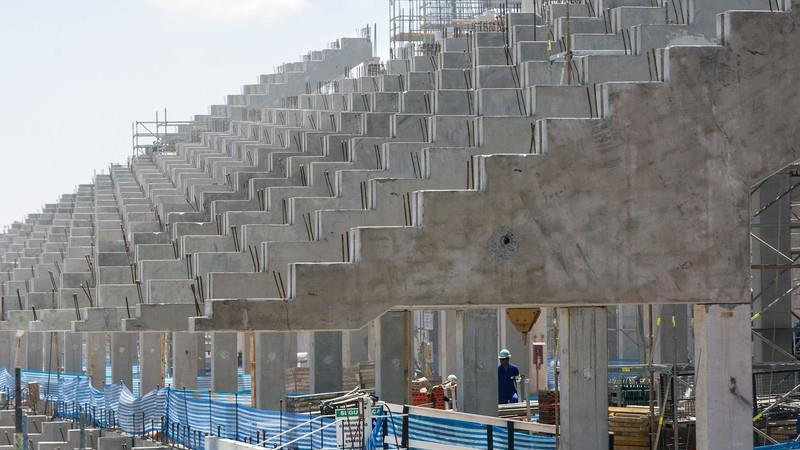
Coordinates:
(784,446)
(452,432)
(188,416)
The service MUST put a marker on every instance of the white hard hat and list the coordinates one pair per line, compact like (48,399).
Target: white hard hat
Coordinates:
(504,354)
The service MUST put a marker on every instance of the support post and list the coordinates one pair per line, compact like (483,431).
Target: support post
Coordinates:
(35,353)
(150,361)
(274,353)
(389,381)
(325,361)
(583,378)
(123,353)
(185,359)
(477,342)
(73,352)
(724,386)
(7,344)
(223,362)
(96,359)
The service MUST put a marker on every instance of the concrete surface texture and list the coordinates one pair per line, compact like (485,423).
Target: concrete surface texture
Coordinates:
(589,158)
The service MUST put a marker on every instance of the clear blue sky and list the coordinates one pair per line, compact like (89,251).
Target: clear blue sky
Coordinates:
(75,74)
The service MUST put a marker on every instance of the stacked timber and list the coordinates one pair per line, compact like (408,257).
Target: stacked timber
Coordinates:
(297,380)
(350,376)
(631,427)
(310,402)
(548,407)
(366,375)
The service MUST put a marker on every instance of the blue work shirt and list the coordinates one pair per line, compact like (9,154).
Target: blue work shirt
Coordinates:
(506,390)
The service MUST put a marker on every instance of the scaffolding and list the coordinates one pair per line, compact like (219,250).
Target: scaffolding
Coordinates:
(151,136)
(414,24)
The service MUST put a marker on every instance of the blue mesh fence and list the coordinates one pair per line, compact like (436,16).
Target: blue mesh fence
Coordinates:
(186,417)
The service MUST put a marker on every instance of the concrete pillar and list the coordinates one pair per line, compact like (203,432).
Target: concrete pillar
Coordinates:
(201,355)
(185,359)
(724,385)
(73,352)
(96,359)
(123,355)
(20,351)
(435,339)
(52,350)
(538,336)
(150,361)
(325,361)
(476,341)
(390,372)
(35,353)
(372,340)
(529,6)
(275,352)
(774,227)
(671,337)
(244,348)
(7,344)
(583,378)
(223,362)
(355,346)
(448,363)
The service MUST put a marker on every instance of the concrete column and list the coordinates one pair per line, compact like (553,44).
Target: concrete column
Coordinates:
(448,363)
(671,342)
(35,354)
(390,372)
(529,6)
(7,344)
(244,348)
(201,355)
(223,362)
(73,352)
(150,360)
(20,351)
(52,350)
(96,359)
(538,336)
(435,340)
(325,361)
(724,386)
(275,352)
(774,227)
(123,355)
(476,341)
(372,340)
(355,346)
(583,378)
(185,359)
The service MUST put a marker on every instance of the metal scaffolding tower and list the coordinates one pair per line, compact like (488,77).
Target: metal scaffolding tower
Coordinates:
(416,22)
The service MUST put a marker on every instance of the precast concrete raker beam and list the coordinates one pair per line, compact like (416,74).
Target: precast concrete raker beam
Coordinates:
(647,203)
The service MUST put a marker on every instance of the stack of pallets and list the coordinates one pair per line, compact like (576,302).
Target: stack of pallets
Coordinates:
(297,380)
(548,407)
(631,427)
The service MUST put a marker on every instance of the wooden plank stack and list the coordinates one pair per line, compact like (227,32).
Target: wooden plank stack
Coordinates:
(297,380)
(366,374)
(548,407)
(631,427)
(350,377)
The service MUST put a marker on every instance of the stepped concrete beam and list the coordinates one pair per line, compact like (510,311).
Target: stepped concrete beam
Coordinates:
(583,254)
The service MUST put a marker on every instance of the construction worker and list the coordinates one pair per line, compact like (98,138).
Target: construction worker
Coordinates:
(507,374)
